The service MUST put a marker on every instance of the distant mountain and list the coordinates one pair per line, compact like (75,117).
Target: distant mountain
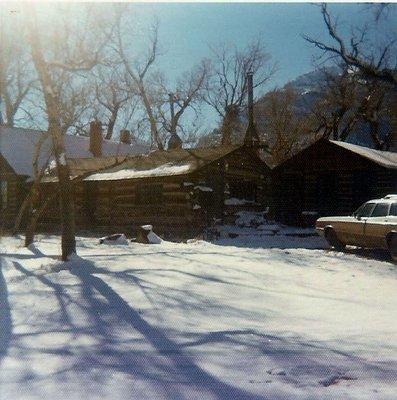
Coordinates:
(308,88)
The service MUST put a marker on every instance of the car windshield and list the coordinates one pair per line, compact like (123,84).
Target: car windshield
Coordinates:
(364,211)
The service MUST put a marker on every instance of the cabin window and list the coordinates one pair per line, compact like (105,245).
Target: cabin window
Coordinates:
(243,190)
(327,191)
(3,194)
(149,194)
(90,201)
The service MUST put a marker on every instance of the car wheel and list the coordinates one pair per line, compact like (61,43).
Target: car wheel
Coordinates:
(393,247)
(333,240)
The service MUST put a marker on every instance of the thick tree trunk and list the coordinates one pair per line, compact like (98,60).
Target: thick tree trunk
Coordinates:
(374,132)
(65,187)
(111,123)
(152,119)
(52,104)
(34,204)
(67,212)
(21,212)
(30,230)
(34,219)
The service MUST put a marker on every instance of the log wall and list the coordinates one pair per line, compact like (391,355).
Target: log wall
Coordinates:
(15,195)
(115,208)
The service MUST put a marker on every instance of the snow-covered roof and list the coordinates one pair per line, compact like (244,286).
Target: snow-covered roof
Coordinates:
(162,163)
(130,173)
(386,159)
(17,146)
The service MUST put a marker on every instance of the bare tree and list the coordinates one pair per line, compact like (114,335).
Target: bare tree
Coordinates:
(280,124)
(228,84)
(172,104)
(334,111)
(373,61)
(377,106)
(113,94)
(71,51)
(138,69)
(16,74)
(349,104)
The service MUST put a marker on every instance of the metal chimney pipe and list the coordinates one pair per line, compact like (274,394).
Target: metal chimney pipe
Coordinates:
(171,100)
(250,98)
(251,135)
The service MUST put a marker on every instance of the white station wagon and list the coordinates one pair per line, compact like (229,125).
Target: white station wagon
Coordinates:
(373,225)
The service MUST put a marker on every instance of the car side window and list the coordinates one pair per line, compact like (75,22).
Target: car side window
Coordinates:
(365,210)
(393,210)
(380,210)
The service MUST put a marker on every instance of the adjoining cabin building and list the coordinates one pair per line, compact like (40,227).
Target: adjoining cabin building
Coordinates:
(331,178)
(18,147)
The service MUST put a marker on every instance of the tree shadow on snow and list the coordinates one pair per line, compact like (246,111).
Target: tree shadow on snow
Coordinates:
(118,330)
(177,366)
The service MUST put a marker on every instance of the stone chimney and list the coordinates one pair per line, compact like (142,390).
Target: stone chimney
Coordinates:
(125,136)
(229,124)
(174,142)
(251,138)
(96,138)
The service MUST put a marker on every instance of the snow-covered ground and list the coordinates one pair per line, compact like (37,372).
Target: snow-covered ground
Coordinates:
(259,316)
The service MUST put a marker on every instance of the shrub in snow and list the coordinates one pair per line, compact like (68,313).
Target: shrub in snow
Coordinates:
(146,235)
(250,219)
(117,238)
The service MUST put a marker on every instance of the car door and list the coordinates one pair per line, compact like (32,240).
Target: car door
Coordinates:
(391,219)
(376,226)
(355,227)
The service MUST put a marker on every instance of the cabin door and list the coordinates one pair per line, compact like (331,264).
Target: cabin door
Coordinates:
(363,187)
(291,198)
(90,202)
(327,199)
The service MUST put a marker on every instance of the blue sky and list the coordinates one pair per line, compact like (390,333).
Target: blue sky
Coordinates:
(187,29)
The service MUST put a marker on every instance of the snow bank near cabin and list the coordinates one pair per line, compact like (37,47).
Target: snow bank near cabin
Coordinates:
(250,218)
(116,239)
(233,201)
(196,321)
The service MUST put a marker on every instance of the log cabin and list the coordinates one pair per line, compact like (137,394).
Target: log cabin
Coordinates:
(18,147)
(181,192)
(331,178)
